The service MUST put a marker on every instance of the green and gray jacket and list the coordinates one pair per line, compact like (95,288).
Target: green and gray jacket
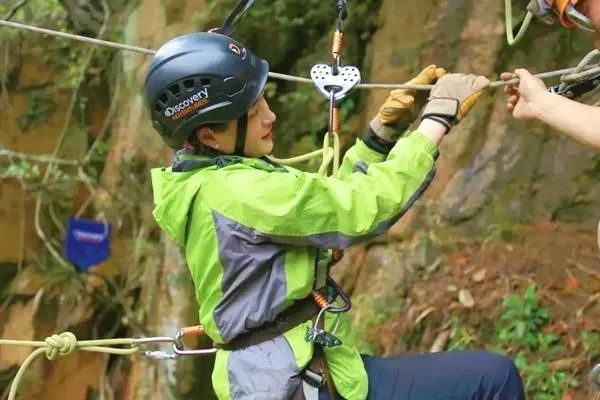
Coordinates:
(252,233)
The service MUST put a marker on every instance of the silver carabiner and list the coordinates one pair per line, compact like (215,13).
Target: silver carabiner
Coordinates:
(320,315)
(595,378)
(179,347)
(157,355)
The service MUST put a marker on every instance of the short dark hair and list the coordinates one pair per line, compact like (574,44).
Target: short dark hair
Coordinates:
(199,147)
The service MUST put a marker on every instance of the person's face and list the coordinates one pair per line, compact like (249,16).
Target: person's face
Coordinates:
(591,8)
(259,135)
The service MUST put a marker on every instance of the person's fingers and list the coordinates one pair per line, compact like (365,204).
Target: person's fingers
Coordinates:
(514,99)
(510,107)
(507,76)
(522,73)
(510,90)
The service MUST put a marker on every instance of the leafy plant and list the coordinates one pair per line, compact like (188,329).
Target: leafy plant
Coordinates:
(520,328)
(21,170)
(541,382)
(39,108)
(461,337)
(522,319)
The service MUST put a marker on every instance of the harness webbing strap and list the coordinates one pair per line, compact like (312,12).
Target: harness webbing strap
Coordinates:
(299,312)
(240,139)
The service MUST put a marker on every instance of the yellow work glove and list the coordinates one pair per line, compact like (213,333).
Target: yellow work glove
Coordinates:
(453,96)
(402,106)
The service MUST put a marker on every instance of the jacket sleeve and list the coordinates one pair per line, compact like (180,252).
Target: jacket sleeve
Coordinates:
(302,208)
(357,160)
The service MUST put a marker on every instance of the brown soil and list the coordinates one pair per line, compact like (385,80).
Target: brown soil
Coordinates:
(562,260)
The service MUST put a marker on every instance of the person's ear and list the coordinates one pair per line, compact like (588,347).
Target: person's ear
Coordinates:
(206,136)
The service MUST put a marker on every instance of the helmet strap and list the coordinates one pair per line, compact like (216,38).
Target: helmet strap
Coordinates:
(240,140)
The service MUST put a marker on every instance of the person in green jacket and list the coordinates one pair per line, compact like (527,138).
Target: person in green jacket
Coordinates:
(257,234)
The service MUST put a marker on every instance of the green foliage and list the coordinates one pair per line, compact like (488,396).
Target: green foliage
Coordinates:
(21,170)
(520,329)
(39,108)
(461,336)
(541,382)
(521,321)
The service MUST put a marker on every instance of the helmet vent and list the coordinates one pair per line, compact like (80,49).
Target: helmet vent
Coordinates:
(188,84)
(205,81)
(163,98)
(158,108)
(174,89)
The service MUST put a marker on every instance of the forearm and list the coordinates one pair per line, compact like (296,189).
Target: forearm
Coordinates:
(578,121)
(434,130)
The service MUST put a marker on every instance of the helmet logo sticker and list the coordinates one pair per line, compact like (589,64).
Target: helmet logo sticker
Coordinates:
(192,103)
(240,51)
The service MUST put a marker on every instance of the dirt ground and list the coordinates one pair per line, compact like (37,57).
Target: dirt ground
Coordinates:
(562,260)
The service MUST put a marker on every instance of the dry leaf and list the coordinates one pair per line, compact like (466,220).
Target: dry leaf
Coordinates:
(439,344)
(466,298)
(479,276)
(571,283)
(568,395)
(565,364)
(424,314)
(589,324)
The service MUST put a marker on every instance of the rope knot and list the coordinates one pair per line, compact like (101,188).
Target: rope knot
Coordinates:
(60,345)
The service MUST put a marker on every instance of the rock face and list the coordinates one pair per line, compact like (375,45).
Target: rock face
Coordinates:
(493,172)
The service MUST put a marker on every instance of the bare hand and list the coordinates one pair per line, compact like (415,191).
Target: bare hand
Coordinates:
(522,97)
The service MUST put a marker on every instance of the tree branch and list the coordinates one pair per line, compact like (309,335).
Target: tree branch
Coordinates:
(11,13)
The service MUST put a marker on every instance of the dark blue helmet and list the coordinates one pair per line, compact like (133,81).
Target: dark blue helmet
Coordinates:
(198,79)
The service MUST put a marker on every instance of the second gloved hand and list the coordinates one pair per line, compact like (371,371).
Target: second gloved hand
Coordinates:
(401,107)
(453,96)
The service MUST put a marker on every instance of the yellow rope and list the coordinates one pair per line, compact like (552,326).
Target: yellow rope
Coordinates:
(508,20)
(63,345)
(297,159)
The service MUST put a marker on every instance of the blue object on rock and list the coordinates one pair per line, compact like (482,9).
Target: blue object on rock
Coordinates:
(87,242)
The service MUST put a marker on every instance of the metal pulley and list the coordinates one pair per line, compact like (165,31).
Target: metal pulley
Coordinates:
(340,84)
